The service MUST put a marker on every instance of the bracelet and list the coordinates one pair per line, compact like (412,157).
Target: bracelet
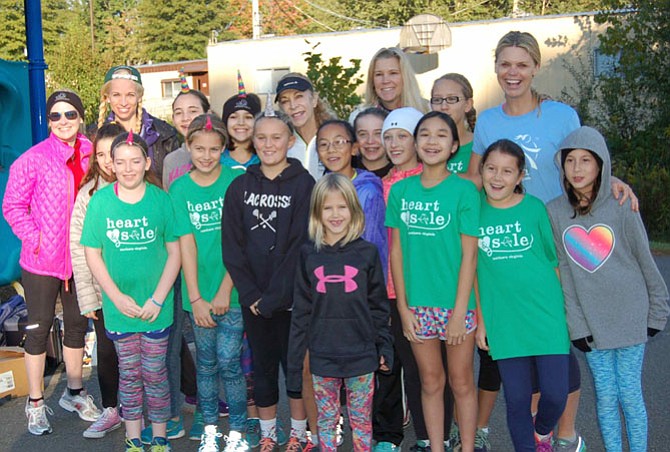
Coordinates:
(153,300)
(197,299)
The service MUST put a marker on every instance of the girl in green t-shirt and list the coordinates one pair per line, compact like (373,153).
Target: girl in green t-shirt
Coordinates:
(132,252)
(208,292)
(452,94)
(434,218)
(521,298)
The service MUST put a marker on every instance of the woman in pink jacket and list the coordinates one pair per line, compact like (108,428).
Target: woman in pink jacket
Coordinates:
(38,203)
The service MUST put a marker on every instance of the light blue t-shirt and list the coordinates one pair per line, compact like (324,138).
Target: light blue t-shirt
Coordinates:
(230,162)
(539,134)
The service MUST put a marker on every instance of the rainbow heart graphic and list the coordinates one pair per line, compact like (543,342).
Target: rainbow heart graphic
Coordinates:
(589,248)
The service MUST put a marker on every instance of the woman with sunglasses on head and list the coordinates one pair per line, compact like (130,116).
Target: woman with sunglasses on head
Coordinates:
(38,204)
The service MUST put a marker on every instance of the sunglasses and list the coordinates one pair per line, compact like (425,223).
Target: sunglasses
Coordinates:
(55,116)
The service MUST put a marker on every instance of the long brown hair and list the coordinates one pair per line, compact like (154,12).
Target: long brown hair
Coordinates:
(110,130)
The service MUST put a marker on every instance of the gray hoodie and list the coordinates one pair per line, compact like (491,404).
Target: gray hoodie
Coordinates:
(613,290)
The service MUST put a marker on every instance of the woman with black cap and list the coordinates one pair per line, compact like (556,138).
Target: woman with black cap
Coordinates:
(38,203)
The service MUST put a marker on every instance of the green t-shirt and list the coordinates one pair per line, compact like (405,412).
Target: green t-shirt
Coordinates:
(431,221)
(519,290)
(132,238)
(459,163)
(198,212)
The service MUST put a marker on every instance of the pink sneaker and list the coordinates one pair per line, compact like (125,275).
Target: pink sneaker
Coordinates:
(543,444)
(109,420)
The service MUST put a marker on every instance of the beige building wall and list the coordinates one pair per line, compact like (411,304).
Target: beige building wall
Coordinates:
(563,39)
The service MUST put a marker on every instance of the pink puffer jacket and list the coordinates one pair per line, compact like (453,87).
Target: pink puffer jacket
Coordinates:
(38,203)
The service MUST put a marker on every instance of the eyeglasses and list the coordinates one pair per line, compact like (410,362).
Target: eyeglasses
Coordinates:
(448,99)
(338,145)
(55,116)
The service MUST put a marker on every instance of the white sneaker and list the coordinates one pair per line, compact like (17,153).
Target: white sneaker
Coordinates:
(38,424)
(209,441)
(235,443)
(108,421)
(82,404)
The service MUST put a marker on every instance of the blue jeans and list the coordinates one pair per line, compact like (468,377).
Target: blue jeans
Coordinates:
(517,377)
(218,353)
(617,376)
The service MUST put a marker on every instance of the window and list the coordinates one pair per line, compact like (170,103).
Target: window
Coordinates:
(171,88)
(267,79)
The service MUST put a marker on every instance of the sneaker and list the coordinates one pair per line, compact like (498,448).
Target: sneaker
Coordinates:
(160,444)
(134,445)
(309,446)
(454,438)
(281,434)
(268,445)
(174,430)
(422,445)
(36,412)
(198,426)
(235,443)
(83,404)
(293,445)
(482,443)
(108,421)
(384,446)
(209,442)
(223,408)
(339,432)
(544,444)
(565,445)
(253,432)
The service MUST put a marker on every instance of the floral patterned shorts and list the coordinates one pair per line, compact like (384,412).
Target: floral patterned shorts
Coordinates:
(433,322)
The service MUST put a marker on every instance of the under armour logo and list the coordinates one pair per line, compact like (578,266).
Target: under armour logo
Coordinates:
(348,279)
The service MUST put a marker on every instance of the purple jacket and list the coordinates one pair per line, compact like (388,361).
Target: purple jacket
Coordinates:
(38,203)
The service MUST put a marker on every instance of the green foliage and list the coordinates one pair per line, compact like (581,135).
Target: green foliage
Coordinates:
(634,102)
(334,82)
(12,32)
(74,65)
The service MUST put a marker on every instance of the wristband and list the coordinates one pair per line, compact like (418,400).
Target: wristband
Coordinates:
(153,300)
(197,299)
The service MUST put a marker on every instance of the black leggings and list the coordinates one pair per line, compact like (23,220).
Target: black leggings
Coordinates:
(108,364)
(41,295)
(268,339)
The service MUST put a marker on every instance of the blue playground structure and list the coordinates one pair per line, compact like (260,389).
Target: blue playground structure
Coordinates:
(22,123)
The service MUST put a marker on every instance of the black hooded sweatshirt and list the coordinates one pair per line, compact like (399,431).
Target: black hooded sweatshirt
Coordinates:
(263,226)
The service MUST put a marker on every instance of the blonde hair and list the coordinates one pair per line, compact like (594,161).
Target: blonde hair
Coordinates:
(104,101)
(527,42)
(335,183)
(322,110)
(411,94)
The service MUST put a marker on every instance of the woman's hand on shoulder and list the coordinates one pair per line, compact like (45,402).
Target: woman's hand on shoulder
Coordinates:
(202,314)
(624,191)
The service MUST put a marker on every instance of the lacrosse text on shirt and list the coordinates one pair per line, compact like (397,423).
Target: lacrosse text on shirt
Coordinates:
(265,200)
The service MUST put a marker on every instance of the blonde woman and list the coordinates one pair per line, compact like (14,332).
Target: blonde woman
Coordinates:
(121,101)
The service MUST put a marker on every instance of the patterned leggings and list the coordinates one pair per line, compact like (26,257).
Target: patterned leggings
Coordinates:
(617,376)
(359,405)
(142,372)
(218,353)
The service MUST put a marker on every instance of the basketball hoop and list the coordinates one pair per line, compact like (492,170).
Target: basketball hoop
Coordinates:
(425,33)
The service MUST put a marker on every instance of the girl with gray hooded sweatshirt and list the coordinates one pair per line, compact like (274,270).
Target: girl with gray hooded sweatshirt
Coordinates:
(614,294)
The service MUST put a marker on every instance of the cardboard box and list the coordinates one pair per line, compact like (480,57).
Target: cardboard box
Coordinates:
(13,378)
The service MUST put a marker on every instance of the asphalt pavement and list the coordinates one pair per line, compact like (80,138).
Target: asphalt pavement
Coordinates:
(68,428)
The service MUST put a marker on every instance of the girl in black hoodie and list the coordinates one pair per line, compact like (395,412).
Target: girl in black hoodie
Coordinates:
(340,313)
(265,213)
